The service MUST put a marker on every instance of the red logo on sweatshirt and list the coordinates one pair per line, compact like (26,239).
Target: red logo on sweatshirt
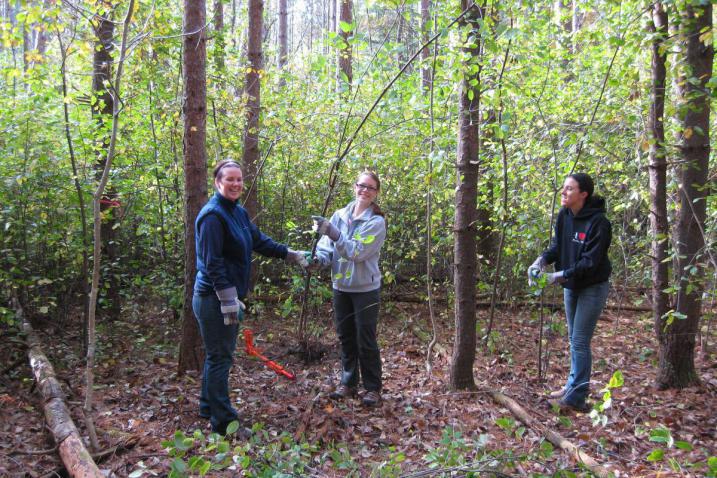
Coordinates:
(581,236)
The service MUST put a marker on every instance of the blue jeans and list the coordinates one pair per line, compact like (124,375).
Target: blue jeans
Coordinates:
(582,309)
(220,342)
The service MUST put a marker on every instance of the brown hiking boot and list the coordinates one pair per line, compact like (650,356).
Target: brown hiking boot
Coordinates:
(342,391)
(371,398)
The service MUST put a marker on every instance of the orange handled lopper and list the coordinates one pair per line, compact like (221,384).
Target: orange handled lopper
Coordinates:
(253,351)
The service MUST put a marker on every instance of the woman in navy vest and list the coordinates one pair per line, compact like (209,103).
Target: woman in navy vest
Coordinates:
(225,239)
(579,251)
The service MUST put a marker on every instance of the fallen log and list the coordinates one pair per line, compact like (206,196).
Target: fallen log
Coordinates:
(77,460)
(553,437)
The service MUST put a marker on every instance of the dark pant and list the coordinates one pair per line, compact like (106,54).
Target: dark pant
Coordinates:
(582,309)
(220,341)
(356,316)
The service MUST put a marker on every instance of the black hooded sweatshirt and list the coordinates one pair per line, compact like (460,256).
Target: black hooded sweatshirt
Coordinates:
(579,245)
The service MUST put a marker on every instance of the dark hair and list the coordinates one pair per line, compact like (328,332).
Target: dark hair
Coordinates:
(585,183)
(375,208)
(224,163)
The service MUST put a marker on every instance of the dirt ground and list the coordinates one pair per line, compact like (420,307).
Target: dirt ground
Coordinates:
(141,401)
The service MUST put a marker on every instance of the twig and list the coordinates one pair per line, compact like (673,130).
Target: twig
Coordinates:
(34,452)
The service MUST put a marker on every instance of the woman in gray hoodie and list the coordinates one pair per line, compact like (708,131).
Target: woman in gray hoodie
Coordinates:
(351,245)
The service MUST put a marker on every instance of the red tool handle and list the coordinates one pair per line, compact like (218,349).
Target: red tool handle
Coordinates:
(253,351)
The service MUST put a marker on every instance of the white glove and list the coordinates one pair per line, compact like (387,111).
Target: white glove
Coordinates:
(324,226)
(556,277)
(232,308)
(299,258)
(535,269)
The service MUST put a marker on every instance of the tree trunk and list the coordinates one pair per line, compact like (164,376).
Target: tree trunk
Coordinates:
(466,201)
(425,54)
(676,357)
(253,107)
(195,168)
(283,37)
(658,170)
(101,111)
(72,451)
(219,36)
(219,114)
(345,66)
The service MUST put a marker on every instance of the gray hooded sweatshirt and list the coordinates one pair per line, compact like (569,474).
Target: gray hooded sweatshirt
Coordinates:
(354,257)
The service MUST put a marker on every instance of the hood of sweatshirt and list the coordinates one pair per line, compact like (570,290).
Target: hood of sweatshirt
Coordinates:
(595,205)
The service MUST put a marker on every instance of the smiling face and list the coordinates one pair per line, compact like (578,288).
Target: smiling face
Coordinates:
(571,196)
(230,182)
(366,190)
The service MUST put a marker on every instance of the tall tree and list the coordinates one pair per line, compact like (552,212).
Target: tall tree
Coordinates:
(219,114)
(465,202)
(283,36)
(102,106)
(426,53)
(195,167)
(658,28)
(677,344)
(346,29)
(250,159)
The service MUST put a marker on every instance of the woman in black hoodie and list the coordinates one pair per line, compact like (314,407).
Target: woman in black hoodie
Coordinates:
(579,251)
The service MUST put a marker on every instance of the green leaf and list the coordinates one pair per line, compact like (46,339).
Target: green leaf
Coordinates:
(683,445)
(656,455)
(617,380)
(232,427)
(506,423)
(346,27)
(662,435)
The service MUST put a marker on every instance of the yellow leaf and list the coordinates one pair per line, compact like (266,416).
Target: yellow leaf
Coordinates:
(687,133)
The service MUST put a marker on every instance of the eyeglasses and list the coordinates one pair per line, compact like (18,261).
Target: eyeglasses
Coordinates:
(365,187)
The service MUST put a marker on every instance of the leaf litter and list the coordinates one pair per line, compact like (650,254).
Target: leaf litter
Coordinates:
(141,400)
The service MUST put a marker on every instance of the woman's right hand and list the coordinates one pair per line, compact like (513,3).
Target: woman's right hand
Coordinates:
(535,269)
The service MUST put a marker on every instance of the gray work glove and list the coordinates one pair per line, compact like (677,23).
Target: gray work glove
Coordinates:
(232,308)
(324,226)
(300,258)
(556,277)
(535,269)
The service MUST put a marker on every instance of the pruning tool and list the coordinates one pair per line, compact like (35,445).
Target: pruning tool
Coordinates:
(253,351)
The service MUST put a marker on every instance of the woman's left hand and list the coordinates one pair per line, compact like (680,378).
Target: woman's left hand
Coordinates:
(555,277)
(324,226)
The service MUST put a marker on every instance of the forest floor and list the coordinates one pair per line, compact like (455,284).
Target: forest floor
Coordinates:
(420,425)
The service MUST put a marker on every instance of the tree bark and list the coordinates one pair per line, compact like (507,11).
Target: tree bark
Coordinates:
(676,356)
(345,52)
(250,158)
(425,54)
(552,436)
(465,215)
(72,451)
(191,354)
(283,37)
(658,169)
(219,37)
(101,111)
